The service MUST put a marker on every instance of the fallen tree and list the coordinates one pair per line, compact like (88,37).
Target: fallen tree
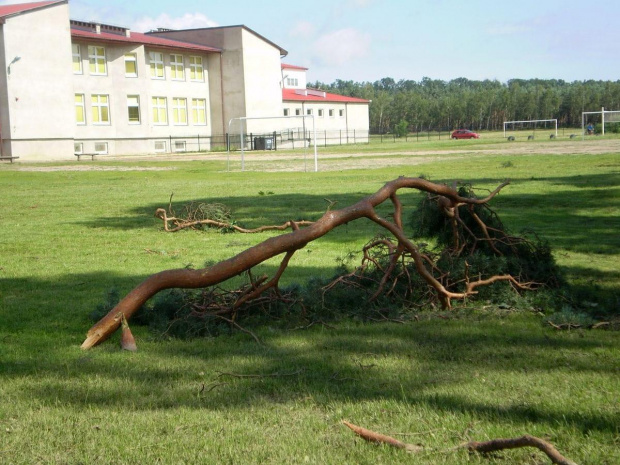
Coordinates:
(449,201)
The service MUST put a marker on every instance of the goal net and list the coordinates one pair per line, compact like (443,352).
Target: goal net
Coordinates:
(600,122)
(272,143)
(530,128)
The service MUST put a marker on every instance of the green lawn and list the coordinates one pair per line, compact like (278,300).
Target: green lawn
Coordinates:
(67,237)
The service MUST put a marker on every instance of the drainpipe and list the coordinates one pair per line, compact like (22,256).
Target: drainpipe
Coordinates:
(346,119)
(222,93)
(303,120)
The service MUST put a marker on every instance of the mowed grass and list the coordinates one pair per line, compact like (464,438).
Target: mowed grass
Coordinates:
(70,236)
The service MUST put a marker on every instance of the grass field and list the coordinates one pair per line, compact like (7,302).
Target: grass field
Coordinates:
(72,231)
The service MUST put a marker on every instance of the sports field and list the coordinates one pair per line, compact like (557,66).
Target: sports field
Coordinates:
(73,231)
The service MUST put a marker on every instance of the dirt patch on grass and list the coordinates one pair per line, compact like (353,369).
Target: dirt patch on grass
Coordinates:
(93,167)
(358,158)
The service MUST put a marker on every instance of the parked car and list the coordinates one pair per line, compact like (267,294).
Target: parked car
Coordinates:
(464,134)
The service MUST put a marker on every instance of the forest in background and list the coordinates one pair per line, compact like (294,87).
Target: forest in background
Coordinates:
(432,104)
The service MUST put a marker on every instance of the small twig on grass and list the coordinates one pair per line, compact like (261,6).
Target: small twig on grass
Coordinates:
(213,386)
(567,326)
(472,446)
(379,438)
(602,324)
(240,328)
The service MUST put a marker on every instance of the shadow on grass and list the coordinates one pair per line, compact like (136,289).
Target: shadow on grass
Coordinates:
(431,363)
(557,217)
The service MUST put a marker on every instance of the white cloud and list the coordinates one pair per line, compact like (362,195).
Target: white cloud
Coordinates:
(303,29)
(187,21)
(341,46)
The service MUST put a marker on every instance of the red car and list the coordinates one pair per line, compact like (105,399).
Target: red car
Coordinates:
(464,134)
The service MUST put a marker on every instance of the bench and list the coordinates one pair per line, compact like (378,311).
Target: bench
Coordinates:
(80,155)
(8,158)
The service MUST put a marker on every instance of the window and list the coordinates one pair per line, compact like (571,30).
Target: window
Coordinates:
(297,112)
(321,113)
(177,68)
(309,111)
(77,59)
(133,109)
(131,65)
(341,113)
(331,112)
(156,63)
(286,112)
(80,110)
(179,111)
(96,60)
(100,105)
(101,147)
(160,146)
(199,111)
(292,82)
(160,110)
(179,146)
(78,148)
(196,71)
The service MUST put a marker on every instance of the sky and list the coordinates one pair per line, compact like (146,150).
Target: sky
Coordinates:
(368,40)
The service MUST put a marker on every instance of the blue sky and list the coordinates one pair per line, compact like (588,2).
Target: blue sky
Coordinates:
(366,40)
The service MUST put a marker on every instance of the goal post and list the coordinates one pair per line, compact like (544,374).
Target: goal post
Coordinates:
(243,119)
(534,122)
(606,116)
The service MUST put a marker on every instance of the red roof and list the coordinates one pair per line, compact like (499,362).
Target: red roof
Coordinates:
(286,66)
(139,38)
(8,10)
(293,95)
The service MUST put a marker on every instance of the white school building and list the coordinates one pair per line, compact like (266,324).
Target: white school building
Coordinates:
(76,87)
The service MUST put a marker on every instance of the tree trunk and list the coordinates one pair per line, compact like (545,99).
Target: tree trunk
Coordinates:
(289,243)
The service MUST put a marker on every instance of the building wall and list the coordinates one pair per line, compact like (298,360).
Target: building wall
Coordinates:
(263,94)
(128,137)
(37,109)
(231,92)
(250,74)
(294,78)
(344,116)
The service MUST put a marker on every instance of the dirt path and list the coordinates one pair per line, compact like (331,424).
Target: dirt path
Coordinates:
(295,161)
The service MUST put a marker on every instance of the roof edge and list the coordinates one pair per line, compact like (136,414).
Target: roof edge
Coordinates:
(40,6)
(283,52)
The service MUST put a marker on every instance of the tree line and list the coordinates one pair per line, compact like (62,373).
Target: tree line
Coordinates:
(432,104)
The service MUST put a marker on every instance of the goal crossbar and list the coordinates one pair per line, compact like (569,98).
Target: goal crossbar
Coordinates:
(554,120)
(241,119)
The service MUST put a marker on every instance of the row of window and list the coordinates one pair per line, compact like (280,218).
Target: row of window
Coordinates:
(100,110)
(310,111)
(98,65)
(101,148)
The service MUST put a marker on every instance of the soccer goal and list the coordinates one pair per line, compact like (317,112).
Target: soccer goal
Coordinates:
(595,121)
(249,134)
(529,127)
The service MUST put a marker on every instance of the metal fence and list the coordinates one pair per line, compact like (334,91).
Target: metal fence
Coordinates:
(276,140)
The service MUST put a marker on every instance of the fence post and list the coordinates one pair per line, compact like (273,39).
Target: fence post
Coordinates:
(275,144)
(199,142)
(170,143)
